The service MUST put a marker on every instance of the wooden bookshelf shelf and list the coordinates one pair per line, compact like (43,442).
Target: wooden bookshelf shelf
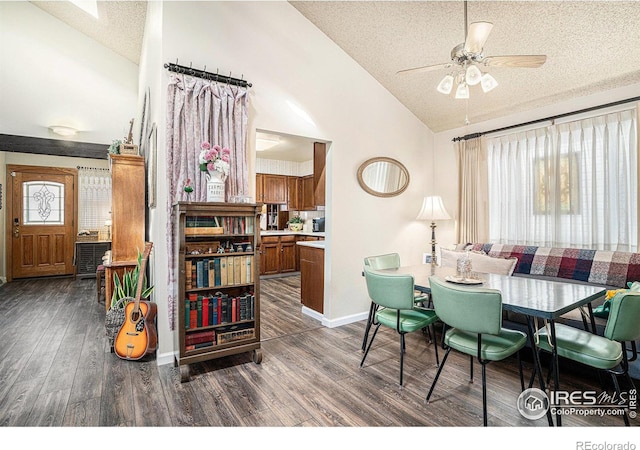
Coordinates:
(218,304)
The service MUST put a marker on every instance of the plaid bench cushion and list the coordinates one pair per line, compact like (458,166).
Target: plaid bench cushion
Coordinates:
(602,267)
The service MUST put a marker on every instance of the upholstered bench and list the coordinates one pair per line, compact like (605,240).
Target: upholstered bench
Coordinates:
(609,269)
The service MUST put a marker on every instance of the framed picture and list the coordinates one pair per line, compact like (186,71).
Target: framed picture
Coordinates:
(144,124)
(151,166)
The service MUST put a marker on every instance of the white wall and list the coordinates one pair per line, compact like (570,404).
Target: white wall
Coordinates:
(447,174)
(303,84)
(52,74)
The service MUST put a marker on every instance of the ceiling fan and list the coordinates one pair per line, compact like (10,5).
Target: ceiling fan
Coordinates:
(466,57)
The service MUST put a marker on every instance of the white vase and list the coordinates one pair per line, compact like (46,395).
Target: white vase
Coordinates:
(215,186)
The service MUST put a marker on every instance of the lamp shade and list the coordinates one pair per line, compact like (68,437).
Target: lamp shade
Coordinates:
(433,209)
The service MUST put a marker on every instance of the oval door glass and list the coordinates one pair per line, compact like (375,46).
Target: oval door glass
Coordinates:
(383,177)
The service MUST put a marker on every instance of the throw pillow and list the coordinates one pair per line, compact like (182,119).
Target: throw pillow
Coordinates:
(480,262)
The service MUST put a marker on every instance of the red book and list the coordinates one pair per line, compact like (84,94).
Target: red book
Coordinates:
(205,311)
(234,309)
(220,318)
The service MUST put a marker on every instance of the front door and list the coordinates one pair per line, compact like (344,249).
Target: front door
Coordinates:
(40,221)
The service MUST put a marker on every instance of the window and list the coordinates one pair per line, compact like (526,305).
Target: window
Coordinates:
(94,198)
(566,185)
(43,203)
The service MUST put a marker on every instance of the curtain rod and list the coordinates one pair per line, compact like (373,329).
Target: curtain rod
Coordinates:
(91,168)
(559,116)
(206,75)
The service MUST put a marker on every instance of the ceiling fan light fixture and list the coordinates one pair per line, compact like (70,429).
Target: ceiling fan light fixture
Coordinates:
(462,91)
(446,85)
(488,82)
(473,75)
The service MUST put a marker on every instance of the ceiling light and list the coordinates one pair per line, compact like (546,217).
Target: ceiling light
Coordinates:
(466,75)
(63,131)
(462,91)
(488,82)
(446,85)
(473,75)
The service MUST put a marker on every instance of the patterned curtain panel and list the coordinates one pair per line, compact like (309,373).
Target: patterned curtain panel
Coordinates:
(472,186)
(571,184)
(199,110)
(94,198)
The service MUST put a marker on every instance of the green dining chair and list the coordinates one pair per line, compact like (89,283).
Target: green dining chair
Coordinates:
(474,315)
(608,352)
(394,294)
(381,262)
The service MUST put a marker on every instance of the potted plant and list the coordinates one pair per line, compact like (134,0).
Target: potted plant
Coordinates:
(295,223)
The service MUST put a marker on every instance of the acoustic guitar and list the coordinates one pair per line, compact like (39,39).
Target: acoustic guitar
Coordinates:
(137,336)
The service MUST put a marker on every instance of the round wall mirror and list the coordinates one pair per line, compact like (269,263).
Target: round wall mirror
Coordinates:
(383,177)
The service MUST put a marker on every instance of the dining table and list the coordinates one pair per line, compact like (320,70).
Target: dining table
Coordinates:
(538,299)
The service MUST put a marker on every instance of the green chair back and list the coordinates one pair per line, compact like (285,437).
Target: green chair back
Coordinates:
(390,290)
(624,317)
(473,309)
(381,262)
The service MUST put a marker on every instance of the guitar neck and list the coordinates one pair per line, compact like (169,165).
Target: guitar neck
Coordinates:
(141,273)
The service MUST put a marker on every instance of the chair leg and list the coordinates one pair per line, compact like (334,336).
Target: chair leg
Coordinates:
(484,392)
(435,345)
(369,346)
(435,380)
(402,351)
(372,313)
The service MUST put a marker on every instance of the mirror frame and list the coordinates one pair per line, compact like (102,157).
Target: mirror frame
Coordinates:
(370,161)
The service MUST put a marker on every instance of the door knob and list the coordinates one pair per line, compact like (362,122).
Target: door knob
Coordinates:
(16,227)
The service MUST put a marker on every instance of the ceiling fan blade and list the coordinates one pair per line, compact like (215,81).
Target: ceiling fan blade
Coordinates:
(477,35)
(424,68)
(530,61)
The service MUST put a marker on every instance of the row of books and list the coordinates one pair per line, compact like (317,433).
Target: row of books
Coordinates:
(209,338)
(231,225)
(207,310)
(219,271)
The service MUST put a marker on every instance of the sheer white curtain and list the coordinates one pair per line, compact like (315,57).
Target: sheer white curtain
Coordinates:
(567,185)
(199,110)
(472,190)
(94,197)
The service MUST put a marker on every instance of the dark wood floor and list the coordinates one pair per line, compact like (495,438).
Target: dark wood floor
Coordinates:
(56,370)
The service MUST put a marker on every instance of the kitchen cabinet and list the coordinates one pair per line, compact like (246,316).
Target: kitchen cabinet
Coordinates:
(274,188)
(260,188)
(278,254)
(319,162)
(312,277)
(308,202)
(294,193)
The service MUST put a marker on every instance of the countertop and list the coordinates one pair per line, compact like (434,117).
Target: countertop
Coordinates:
(288,232)
(314,244)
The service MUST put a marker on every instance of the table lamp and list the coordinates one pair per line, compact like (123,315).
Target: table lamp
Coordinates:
(433,209)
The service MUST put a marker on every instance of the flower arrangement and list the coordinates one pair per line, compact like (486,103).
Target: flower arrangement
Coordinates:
(214,158)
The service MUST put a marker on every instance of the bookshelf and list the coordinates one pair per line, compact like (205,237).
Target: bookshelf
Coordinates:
(218,302)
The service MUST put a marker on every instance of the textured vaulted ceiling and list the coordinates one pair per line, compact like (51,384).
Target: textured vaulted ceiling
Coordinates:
(120,26)
(591,46)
